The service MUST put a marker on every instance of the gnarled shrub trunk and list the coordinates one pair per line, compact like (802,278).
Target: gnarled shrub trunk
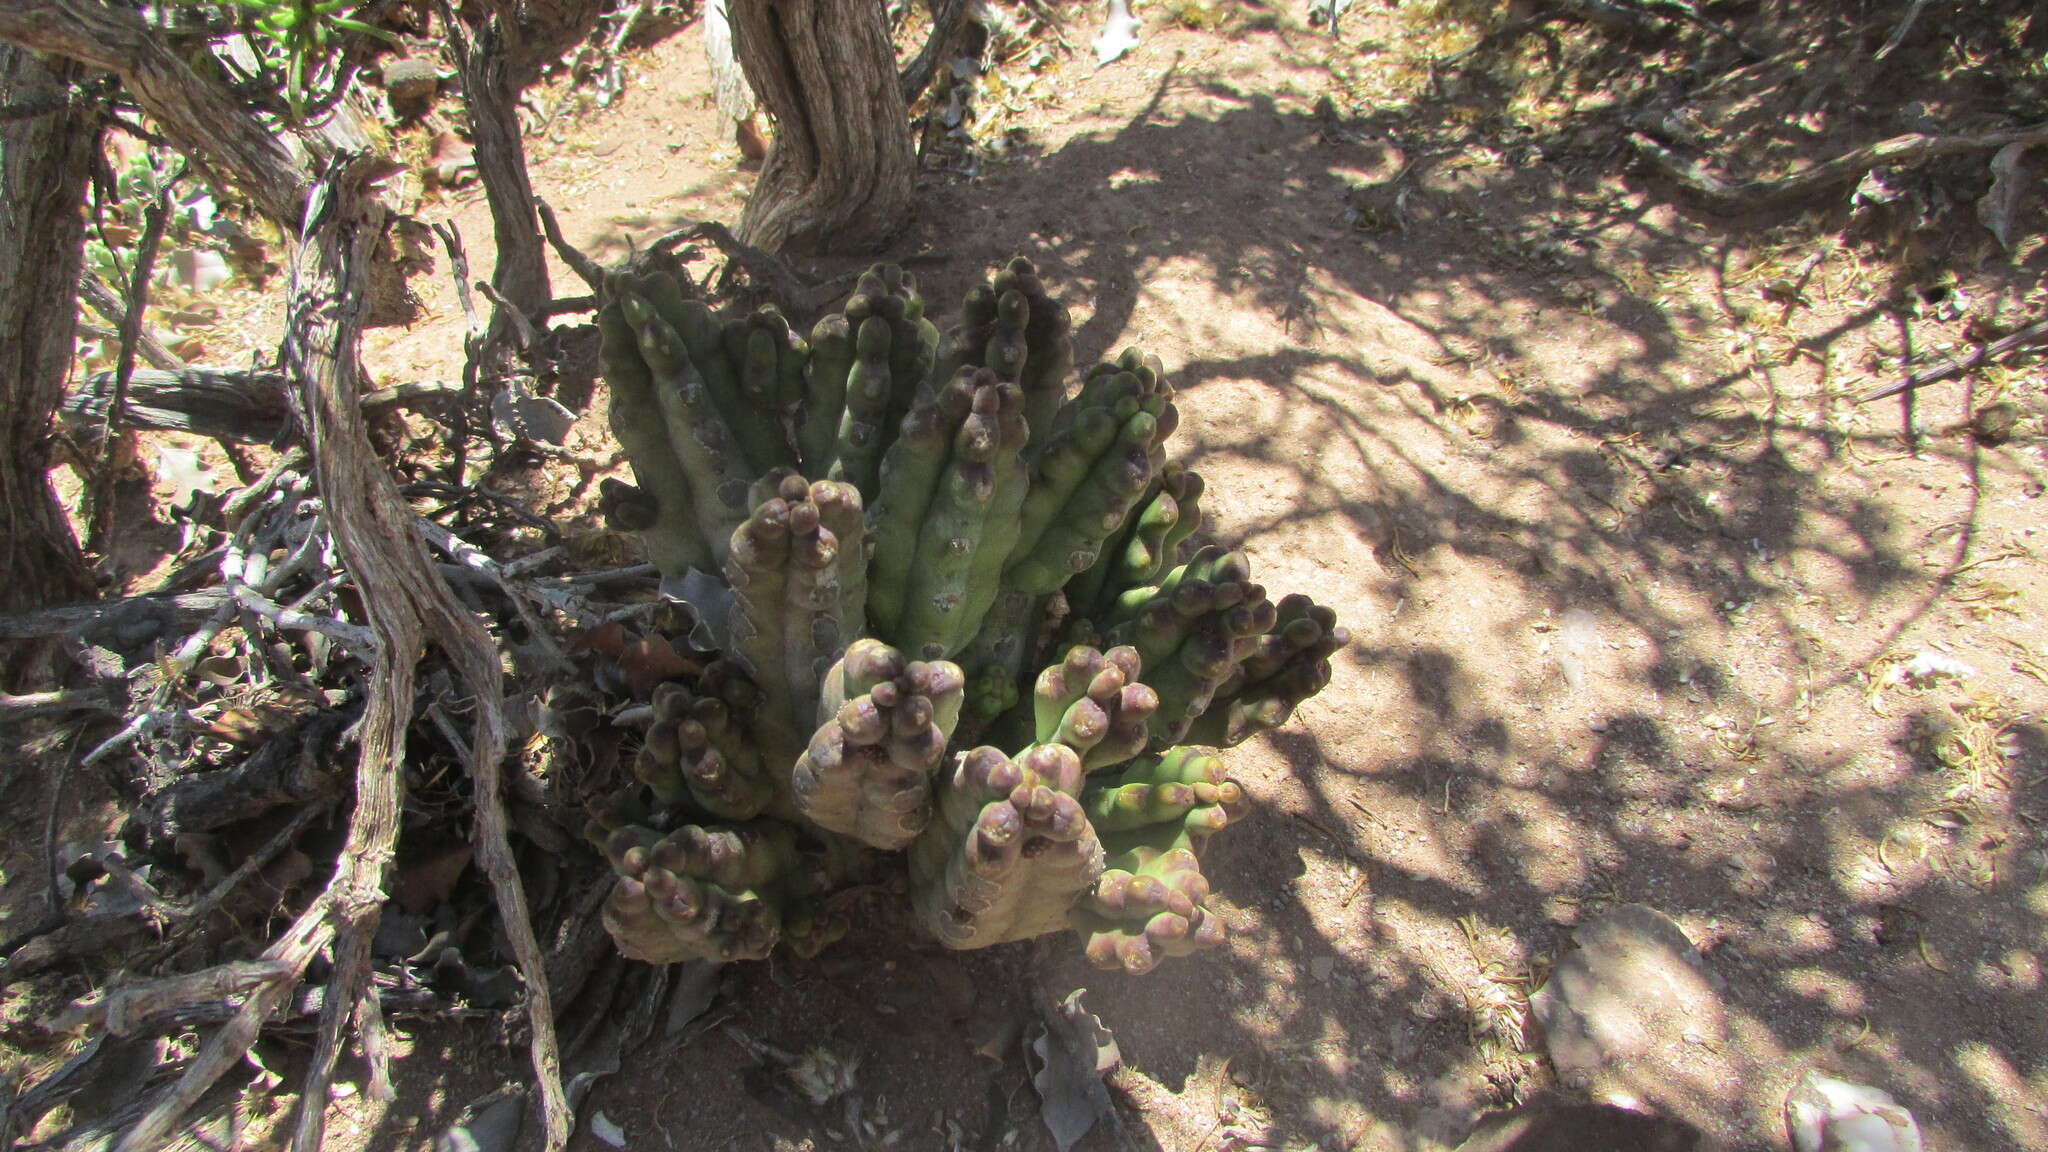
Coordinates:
(838,176)
(44,159)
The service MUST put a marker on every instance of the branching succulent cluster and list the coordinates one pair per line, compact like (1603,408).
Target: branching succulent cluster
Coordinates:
(959,627)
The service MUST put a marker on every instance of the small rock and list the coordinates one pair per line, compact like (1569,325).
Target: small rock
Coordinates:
(1322,966)
(1829,1115)
(1632,1016)
(606,1129)
(1993,424)
(411,85)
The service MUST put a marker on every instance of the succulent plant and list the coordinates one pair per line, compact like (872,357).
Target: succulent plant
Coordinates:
(956,624)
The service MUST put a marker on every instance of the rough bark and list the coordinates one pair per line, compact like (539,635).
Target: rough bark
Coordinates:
(294,767)
(195,113)
(942,43)
(838,175)
(548,30)
(486,52)
(44,162)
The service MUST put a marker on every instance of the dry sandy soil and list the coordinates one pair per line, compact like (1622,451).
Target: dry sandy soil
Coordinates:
(1631,577)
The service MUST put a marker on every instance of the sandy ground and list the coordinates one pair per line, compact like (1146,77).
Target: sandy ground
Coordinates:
(1623,562)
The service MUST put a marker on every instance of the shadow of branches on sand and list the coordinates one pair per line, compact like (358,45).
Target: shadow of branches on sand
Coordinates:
(1623,565)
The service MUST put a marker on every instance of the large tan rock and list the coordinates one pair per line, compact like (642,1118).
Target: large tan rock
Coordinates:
(1632,1017)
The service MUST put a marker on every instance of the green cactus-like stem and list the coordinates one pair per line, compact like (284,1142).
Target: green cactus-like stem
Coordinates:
(1144,548)
(741,360)
(699,893)
(1092,702)
(701,442)
(768,359)
(1185,787)
(765,360)
(916,462)
(798,575)
(868,770)
(832,358)
(1134,382)
(947,515)
(1013,328)
(1010,851)
(986,564)
(675,542)
(891,293)
(996,657)
(1086,485)
(1167,520)
(965,345)
(696,754)
(865,426)
(1287,665)
(869,363)
(1191,629)
(1149,903)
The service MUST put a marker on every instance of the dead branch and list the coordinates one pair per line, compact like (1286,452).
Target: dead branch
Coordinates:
(57,621)
(2033,335)
(234,405)
(585,268)
(354,637)
(239,405)
(69,940)
(517,591)
(408,605)
(1899,34)
(767,270)
(118,1009)
(199,116)
(294,767)
(484,55)
(154,217)
(44,168)
(103,301)
(33,704)
(473,348)
(215,897)
(1750,195)
(917,75)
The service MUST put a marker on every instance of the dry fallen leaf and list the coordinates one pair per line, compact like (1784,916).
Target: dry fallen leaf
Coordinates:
(649,661)
(1074,1051)
(1999,208)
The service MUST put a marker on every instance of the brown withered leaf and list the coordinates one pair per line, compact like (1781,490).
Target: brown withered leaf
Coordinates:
(649,661)
(426,882)
(605,639)
(1999,209)
(1074,1051)
(259,719)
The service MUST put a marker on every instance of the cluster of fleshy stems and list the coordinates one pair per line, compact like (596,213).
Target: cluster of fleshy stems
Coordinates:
(954,621)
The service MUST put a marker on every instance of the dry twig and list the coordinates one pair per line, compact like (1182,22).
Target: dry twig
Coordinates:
(154,218)
(95,292)
(1749,195)
(2033,335)
(409,605)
